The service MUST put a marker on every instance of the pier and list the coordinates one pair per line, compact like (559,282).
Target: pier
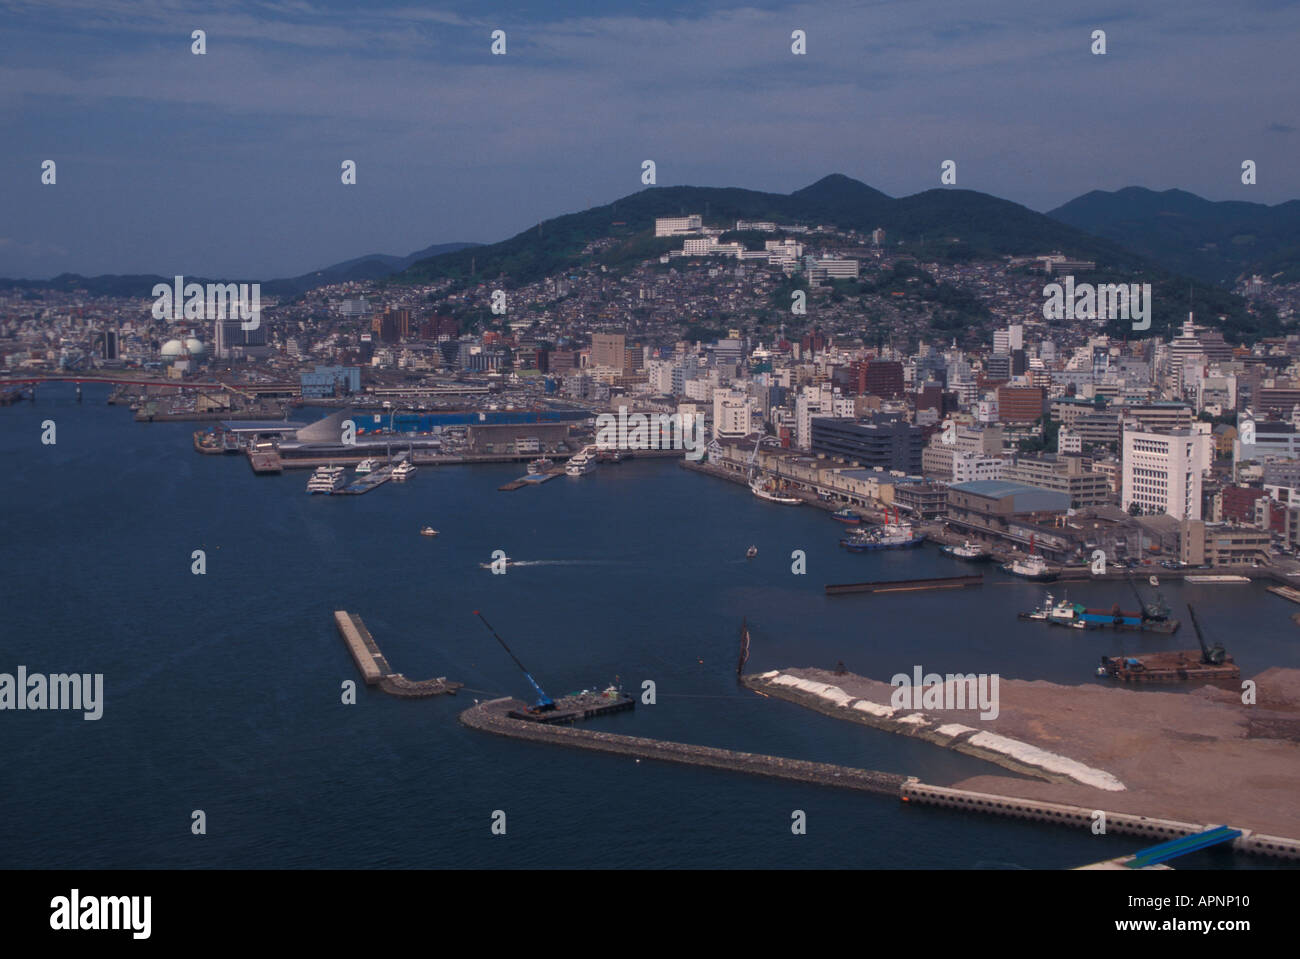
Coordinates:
(532,479)
(905,585)
(374,667)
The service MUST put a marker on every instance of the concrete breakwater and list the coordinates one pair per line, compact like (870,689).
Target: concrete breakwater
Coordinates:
(374,667)
(491,717)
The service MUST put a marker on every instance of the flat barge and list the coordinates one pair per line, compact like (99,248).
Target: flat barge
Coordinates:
(577,706)
(905,585)
(1178,666)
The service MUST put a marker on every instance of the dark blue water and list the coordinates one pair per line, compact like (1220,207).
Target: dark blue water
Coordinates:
(223,690)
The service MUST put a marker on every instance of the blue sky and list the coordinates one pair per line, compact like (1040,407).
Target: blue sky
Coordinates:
(228,164)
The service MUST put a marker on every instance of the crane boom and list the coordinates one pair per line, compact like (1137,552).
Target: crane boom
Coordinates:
(544,702)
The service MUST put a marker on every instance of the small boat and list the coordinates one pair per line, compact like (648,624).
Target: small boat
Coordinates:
(751,552)
(428,531)
(507,561)
(971,552)
(1031,567)
(403,470)
(846,515)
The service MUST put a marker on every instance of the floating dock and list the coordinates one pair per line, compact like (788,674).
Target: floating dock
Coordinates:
(374,667)
(532,479)
(906,585)
(367,482)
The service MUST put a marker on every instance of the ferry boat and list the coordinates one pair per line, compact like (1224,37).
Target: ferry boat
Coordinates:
(366,466)
(846,515)
(403,470)
(326,479)
(580,464)
(768,490)
(540,466)
(1032,567)
(971,552)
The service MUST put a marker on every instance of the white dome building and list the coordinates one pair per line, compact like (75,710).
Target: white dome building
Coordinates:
(172,350)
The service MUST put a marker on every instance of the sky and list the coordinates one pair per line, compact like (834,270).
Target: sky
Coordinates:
(229,164)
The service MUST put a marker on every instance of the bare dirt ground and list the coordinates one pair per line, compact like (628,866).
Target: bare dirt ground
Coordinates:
(1199,756)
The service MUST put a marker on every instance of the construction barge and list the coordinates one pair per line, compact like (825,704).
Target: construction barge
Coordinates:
(567,710)
(905,585)
(1212,664)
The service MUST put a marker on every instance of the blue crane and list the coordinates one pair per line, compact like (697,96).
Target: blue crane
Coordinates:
(544,702)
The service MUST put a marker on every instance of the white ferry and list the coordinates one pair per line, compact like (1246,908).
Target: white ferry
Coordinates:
(540,466)
(326,479)
(403,470)
(366,466)
(581,463)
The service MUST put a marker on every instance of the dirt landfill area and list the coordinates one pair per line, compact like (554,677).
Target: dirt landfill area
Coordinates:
(1197,755)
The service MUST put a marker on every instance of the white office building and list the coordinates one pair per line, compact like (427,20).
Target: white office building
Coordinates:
(1162,471)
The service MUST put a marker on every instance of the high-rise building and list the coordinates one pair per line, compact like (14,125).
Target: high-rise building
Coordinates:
(1162,471)
(731,414)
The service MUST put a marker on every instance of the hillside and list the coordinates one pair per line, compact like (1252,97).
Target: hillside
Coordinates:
(925,223)
(1214,242)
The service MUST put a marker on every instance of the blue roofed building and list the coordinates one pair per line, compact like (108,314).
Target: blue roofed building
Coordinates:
(1005,514)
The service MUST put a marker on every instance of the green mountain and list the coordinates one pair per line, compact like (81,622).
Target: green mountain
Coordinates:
(942,223)
(1215,242)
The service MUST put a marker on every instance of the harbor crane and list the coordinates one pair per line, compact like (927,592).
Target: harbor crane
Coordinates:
(1214,655)
(544,703)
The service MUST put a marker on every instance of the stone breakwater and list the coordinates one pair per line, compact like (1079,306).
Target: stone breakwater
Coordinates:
(1010,753)
(492,717)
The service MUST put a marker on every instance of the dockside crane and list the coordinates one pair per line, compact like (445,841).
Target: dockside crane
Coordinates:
(544,703)
(1214,655)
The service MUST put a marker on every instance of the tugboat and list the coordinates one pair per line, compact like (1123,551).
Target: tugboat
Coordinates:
(846,515)
(971,552)
(1032,567)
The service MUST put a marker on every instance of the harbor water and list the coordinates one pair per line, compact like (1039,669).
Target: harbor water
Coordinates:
(223,691)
